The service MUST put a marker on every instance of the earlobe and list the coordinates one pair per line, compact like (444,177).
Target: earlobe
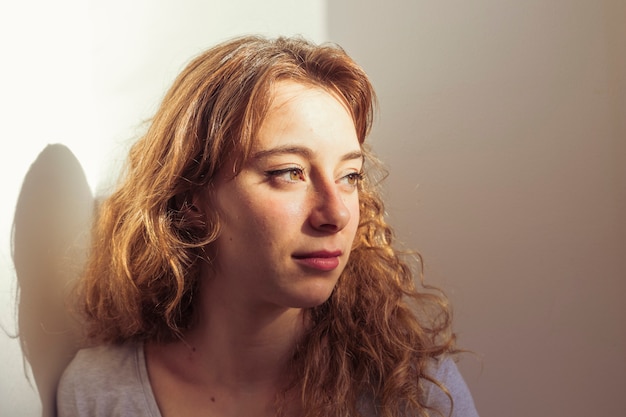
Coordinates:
(196,199)
(201,208)
(187,217)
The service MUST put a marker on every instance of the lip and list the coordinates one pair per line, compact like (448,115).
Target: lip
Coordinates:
(320,260)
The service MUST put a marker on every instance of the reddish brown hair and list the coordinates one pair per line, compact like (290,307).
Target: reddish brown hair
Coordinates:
(376,332)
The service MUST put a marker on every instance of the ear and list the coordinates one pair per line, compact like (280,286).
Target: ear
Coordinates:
(202,212)
(187,215)
(197,199)
(183,203)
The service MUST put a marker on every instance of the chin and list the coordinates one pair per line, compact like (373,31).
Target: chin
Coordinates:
(315,296)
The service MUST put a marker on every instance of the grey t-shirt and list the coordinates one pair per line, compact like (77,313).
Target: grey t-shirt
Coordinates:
(112,381)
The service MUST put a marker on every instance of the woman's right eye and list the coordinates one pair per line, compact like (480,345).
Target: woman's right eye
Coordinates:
(292,174)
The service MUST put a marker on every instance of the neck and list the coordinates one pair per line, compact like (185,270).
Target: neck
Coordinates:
(243,346)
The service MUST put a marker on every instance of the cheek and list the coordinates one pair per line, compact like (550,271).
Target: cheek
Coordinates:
(355,211)
(277,214)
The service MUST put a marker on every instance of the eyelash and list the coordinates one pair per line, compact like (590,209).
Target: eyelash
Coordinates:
(357,177)
(280,172)
(353,178)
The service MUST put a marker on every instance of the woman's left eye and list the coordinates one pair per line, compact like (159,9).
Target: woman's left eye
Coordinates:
(292,174)
(352,178)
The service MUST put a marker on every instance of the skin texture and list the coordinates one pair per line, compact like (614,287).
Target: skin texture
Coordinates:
(288,221)
(296,197)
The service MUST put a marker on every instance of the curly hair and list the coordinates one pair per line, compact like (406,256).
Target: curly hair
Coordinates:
(376,332)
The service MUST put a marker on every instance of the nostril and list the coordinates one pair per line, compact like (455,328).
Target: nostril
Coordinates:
(331,214)
(329,227)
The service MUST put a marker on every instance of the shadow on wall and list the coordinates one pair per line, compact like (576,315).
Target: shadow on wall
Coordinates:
(50,235)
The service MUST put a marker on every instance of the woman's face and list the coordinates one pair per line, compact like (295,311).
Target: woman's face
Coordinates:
(288,219)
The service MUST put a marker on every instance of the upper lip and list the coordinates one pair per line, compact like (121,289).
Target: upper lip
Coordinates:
(318,254)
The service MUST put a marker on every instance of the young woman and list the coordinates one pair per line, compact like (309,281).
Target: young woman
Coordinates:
(244,267)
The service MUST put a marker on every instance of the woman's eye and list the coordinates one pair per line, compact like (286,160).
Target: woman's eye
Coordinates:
(287,174)
(353,178)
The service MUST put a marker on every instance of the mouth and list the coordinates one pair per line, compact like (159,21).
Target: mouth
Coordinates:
(320,260)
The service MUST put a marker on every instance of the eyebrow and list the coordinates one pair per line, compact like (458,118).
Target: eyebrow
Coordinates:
(301,150)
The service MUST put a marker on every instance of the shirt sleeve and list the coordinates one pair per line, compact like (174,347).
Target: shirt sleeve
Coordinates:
(462,405)
(106,381)
(66,396)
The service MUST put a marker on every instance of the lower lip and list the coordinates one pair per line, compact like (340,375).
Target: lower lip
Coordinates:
(321,264)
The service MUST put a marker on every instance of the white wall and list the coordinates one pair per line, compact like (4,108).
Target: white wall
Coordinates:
(77,79)
(503,124)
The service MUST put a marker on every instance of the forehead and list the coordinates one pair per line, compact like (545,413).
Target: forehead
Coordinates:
(285,92)
(299,111)
(300,119)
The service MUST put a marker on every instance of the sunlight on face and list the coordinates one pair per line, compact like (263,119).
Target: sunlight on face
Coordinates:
(290,216)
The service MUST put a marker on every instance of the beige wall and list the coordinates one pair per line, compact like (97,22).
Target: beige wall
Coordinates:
(503,124)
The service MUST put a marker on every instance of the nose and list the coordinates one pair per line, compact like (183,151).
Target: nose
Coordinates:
(329,213)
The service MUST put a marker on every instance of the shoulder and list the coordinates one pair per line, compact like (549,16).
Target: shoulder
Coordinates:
(445,371)
(98,367)
(106,380)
